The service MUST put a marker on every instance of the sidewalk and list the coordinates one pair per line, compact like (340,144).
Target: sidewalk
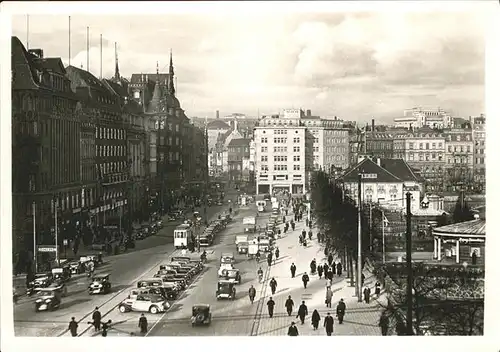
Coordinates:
(360,319)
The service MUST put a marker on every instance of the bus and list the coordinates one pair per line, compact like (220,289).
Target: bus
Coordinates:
(183,235)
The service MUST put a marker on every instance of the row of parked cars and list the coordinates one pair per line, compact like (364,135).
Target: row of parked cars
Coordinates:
(147,230)
(154,294)
(208,236)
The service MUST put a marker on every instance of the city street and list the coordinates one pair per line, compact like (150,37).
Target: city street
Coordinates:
(125,270)
(229,317)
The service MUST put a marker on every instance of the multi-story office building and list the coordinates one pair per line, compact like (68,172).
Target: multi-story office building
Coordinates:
(379,144)
(112,161)
(423,150)
(459,158)
(46,160)
(283,153)
(479,138)
(419,117)
(330,142)
(238,152)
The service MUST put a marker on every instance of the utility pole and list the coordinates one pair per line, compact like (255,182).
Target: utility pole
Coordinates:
(34,237)
(56,230)
(359,271)
(371,228)
(383,237)
(409,284)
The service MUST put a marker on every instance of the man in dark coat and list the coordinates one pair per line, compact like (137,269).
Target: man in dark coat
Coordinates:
(251,293)
(293,226)
(105,327)
(320,271)
(284,219)
(328,324)
(302,312)
(304,234)
(366,294)
(341,310)
(292,330)
(96,317)
(270,259)
(273,284)
(330,259)
(384,324)
(143,324)
(307,222)
(310,234)
(73,327)
(313,266)
(339,268)
(325,268)
(270,307)
(305,279)
(330,274)
(289,305)
(293,269)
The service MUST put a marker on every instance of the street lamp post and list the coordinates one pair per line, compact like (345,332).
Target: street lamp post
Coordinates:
(409,284)
(360,266)
(56,205)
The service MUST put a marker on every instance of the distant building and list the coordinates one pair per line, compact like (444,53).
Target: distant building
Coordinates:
(459,158)
(419,117)
(479,138)
(238,160)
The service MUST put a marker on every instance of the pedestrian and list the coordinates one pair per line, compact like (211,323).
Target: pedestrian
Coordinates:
(270,259)
(377,288)
(96,317)
(328,297)
(315,319)
(293,269)
(310,234)
(320,271)
(143,324)
(384,324)
(328,324)
(277,253)
(73,327)
(307,222)
(251,293)
(330,274)
(304,234)
(366,293)
(362,279)
(286,212)
(305,279)
(289,305)
(330,259)
(341,310)
(284,219)
(339,268)
(270,307)
(292,330)
(305,243)
(105,327)
(325,268)
(302,312)
(273,284)
(293,226)
(313,266)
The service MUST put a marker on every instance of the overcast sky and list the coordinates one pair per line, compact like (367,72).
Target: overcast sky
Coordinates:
(356,65)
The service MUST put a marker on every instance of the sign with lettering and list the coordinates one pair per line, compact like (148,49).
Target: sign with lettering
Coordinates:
(46,249)
(369,176)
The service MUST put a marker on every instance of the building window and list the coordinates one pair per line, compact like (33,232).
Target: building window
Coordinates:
(410,145)
(263,158)
(296,158)
(468,149)
(296,140)
(449,149)
(421,146)
(296,149)
(426,145)
(263,140)
(296,167)
(433,145)
(263,149)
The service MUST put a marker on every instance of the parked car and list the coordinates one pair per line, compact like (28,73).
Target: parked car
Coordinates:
(144,303)
(48,299)
(100,284)
(201,315)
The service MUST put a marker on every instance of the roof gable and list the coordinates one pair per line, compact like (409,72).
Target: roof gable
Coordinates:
(367,166)
(218,125)
(53,64)
(399,168)
(238,142)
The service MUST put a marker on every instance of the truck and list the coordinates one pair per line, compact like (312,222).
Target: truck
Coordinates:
(249,220)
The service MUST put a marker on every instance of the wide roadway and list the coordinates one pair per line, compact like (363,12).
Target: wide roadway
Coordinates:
(125,269)
(229,317)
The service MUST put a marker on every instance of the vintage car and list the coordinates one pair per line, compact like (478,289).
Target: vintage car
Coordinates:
(89,258)
(144,303)
(230,274)
(201,315)
(41,280)
(167,276)
(159,224)
(76,268)
(242,248)
(160,282)
(195,261)
(100,284)
(63,273)
(183,268)
(48,299)
(227,258)
(194,267)
(165,292)
(223,268)
(174,270)
(225,289)
(60,286)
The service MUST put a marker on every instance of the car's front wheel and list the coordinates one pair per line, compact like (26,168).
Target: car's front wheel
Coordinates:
(123,309)
(154,310)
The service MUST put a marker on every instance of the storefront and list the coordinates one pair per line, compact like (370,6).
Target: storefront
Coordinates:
(461,242)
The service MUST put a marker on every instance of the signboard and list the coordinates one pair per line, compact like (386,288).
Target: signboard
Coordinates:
(368,176)
(65,242)
(46,249)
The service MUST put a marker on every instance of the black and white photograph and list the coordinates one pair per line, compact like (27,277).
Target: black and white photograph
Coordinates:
(201,170)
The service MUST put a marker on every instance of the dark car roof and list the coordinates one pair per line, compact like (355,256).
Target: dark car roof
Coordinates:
(201,305)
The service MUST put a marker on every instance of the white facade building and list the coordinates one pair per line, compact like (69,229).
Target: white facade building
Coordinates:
(418,117)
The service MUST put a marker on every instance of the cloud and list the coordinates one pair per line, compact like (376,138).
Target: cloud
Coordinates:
(353,65)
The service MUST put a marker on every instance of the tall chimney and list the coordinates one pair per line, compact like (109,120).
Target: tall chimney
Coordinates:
(373,125)
(308,113)
(217,114)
